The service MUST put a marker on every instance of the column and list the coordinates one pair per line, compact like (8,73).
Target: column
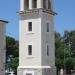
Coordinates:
(30,4)
(22,2)
(39,5)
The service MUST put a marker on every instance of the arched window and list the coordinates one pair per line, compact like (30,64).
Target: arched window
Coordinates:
(44,3)
(26,4)
(34,2)
(49,4)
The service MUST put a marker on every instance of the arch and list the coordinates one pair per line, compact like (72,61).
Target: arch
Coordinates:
(49,4)
(34,3)
(44,3)
(26,4)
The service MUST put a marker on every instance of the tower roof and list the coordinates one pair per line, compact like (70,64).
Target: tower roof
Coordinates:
(4,21)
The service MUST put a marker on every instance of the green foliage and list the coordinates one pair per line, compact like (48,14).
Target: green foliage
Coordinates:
(14,63)
(69,38)
(65,51)
(12,47)
(59,51)
(12,53)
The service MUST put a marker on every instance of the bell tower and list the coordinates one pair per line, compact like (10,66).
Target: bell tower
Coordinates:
(36,38)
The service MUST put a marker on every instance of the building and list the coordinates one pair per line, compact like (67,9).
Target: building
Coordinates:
(2,46)
(36,39)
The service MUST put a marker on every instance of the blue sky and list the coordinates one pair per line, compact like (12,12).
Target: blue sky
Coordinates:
(65,20)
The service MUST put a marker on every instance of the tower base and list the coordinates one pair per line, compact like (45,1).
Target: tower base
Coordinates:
(36,70)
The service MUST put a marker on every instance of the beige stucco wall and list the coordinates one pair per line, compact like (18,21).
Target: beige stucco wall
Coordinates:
(2,36)
(2,48)
(30,38)
(48,39)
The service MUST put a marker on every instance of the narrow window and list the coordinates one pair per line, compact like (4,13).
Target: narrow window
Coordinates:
(29,49)
(28,73)
(34,3)
(44,3)
(30,26)
(47,50)
(26,4)
(47,27)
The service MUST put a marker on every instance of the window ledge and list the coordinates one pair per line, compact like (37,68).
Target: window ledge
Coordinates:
(47,32)
(30,57)
(29,33)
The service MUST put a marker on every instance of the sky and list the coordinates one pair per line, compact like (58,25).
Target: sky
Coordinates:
(65,20)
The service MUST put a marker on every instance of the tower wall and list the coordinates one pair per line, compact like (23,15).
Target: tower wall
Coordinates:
(2,47)
(48,39)
(30,38)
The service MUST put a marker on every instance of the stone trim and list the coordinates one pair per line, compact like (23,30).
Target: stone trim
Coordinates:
(37,11)
(34,67)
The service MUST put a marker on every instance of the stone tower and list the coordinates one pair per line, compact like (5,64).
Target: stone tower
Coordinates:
(36,39)
(2,46)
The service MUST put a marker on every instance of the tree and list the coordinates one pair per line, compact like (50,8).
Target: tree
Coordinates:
(65,51)
(12,53)
(12,47)
(69,64)
(59,51)
(69,39)
(14,63)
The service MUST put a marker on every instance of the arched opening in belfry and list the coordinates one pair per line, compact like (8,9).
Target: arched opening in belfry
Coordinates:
(44,3)
(47,4)
(26,4)
(34,3)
